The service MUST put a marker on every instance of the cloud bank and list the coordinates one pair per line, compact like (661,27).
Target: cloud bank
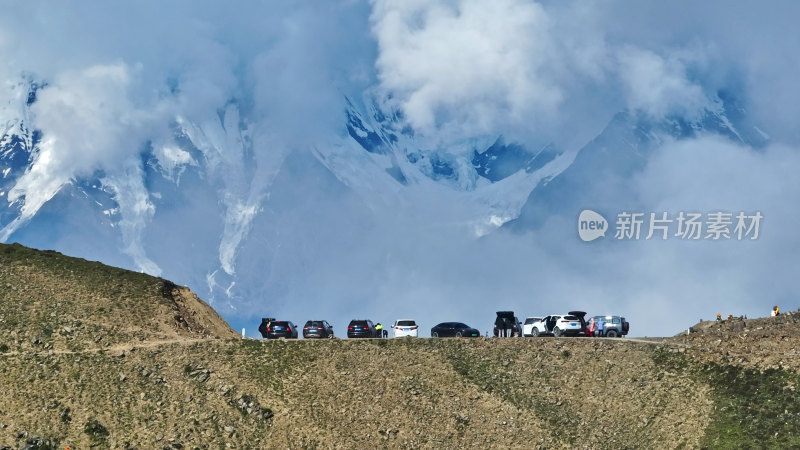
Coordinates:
(465,67)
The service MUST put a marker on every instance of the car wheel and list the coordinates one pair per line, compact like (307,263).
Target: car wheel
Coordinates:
(435,334)
(459,334)
(535,332)
(558,332)
(611,333)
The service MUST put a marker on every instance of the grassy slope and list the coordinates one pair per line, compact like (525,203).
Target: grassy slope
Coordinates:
(51,301)
(58,384)
(409,393)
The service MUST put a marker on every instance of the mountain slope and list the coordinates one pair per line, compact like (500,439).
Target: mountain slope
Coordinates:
(55,302)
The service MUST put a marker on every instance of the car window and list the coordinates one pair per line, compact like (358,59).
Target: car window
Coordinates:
(406,323)
(570,318)
(460,325)
(280,324)
(358,323)
(615,320)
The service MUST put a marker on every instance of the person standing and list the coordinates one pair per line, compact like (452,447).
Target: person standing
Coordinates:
(591,327)
(379,330)
(601,325)
(498,327)
(775,311)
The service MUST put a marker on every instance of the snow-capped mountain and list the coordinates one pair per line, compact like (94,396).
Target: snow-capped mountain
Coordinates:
(206,194)
(247,228)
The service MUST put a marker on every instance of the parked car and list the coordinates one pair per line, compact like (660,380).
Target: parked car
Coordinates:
(317,329)
(516,326)
(581,315)
(558,325)
(405,328)
(528,325)
(454,329)
(362,329)
(613,326)
(264,325)
(281,329)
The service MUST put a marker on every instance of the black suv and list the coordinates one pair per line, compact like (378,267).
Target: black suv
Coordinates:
(276,329)
(317,329)
(361,329)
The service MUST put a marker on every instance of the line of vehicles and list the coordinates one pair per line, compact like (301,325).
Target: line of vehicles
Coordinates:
(507,324)
(575,323)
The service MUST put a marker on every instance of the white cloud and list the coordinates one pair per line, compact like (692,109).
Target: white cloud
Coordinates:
(463,68)
(735,277)
(658,85)
(552,70)
(468,64)
(88,122)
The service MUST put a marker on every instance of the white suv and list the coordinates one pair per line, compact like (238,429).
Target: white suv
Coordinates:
(405,328)
(557,325)
(527,327)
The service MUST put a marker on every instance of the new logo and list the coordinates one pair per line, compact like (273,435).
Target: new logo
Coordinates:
(591,225)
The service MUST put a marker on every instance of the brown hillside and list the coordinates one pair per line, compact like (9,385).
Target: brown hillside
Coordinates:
(52,301)
(761,343)
(351,394)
